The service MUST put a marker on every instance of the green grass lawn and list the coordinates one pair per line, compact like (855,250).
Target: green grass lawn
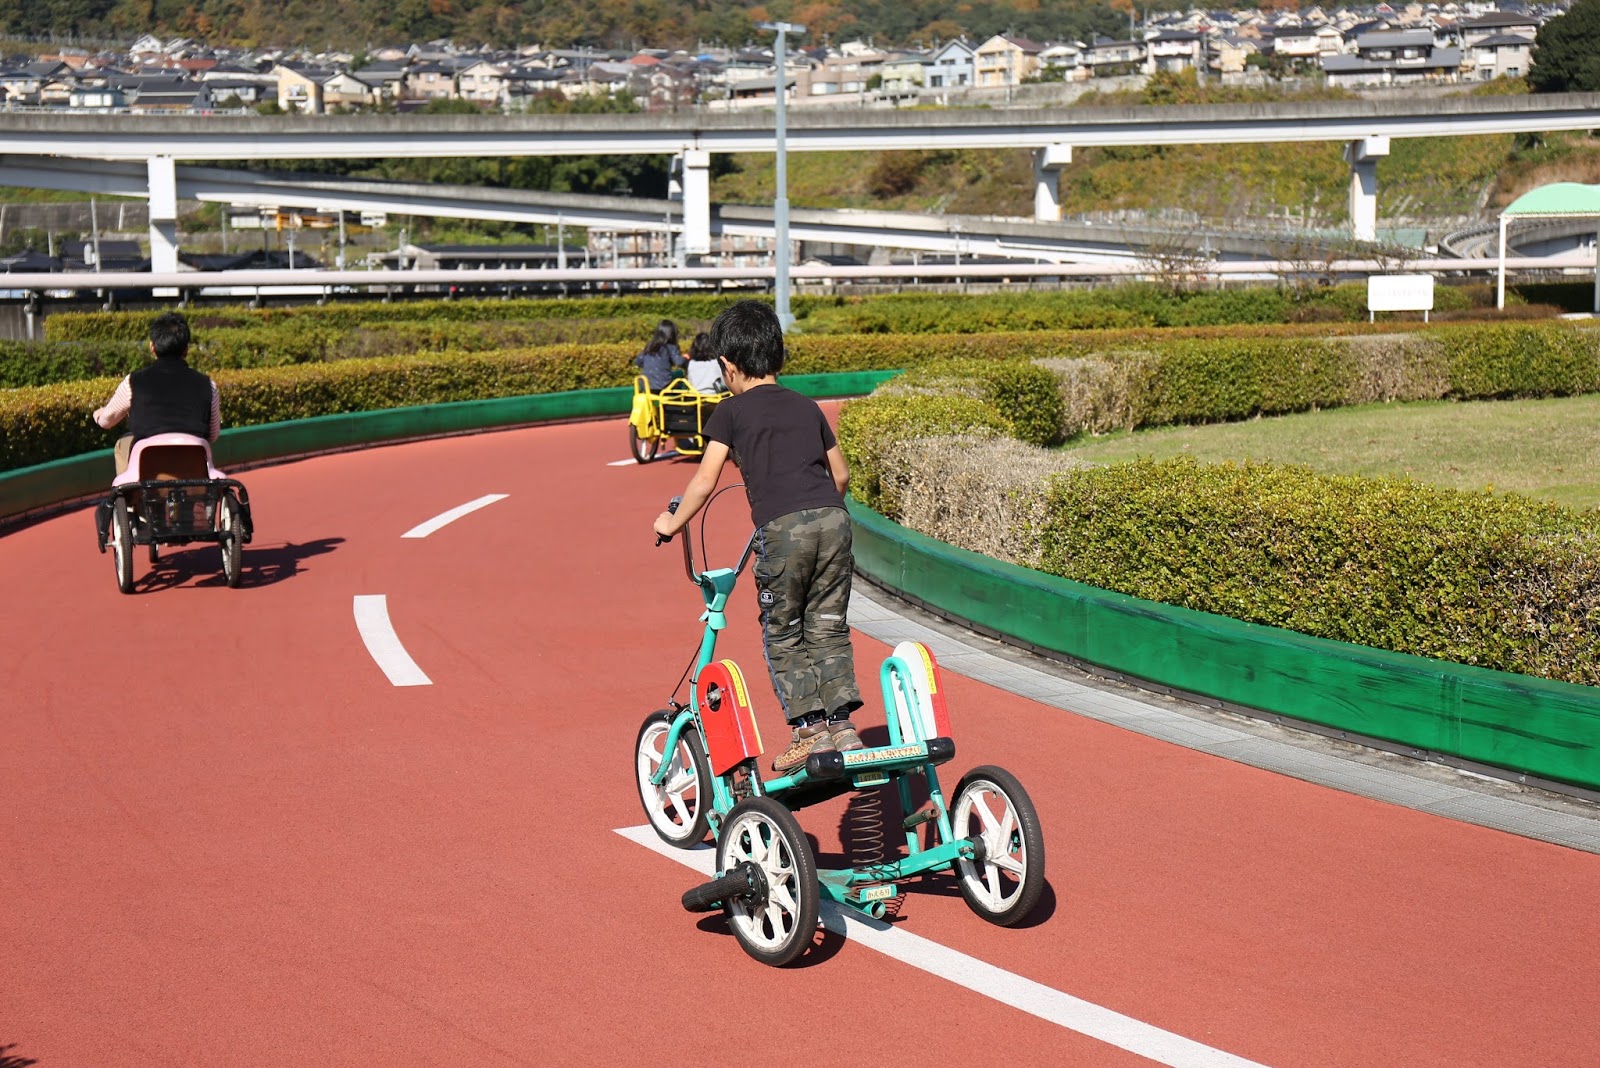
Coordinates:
(1542,448)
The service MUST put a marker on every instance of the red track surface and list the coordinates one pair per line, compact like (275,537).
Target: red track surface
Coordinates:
(228,840)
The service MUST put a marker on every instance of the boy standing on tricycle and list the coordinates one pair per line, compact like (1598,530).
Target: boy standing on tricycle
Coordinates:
(795,477)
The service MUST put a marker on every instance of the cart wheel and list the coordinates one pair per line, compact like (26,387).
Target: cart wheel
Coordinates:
(1005,884)
(231,540)
(680,808)
(778,927)
(155,554)
(122,545)
(643,449)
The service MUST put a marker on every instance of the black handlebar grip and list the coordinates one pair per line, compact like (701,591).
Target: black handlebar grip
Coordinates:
(672,506)
(708,897)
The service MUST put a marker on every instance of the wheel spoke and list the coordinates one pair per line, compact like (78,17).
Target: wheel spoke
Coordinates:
(685,814)
(991,878)
(980,805)
(679,782)
(1008,862)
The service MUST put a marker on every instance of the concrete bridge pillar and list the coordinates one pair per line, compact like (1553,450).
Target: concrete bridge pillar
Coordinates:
(1047,164)
(1363,157)
(163,219)
(696,202)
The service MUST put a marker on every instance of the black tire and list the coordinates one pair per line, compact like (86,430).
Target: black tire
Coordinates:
(122,545)
(684,820)
(230,540)
(1006,892)
(155,554)
(643,449)
(780,927)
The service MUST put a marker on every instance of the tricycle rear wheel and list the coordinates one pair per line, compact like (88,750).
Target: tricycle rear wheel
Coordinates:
(1004,884)
(122,545)
(779,926)
(231,540)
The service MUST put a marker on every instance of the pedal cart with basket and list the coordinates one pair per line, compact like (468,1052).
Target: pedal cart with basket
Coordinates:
(697,767)
(676,416)
(172,495)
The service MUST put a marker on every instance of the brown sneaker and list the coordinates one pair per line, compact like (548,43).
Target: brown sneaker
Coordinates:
(845,737)
(806,740)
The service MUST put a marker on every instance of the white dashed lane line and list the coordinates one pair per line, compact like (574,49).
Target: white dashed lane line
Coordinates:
(981,977)
(422,530)
(372,620)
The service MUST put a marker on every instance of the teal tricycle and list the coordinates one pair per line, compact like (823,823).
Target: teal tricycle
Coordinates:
(698,769)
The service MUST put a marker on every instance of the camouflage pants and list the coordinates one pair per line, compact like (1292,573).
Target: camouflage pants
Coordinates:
(803,574)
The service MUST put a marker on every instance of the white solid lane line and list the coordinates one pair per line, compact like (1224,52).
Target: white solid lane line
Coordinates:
(422,530)
(372,620)
(1036,999)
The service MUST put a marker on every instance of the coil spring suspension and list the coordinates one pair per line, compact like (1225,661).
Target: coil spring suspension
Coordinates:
(868,843)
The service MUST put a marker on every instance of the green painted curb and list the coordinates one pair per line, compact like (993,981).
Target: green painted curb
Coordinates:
(28,489)
(1517,722)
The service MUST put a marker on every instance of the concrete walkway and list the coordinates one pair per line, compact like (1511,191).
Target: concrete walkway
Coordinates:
(1429,787)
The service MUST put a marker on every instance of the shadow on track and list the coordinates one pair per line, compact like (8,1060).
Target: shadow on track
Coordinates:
(262,566)
(12,1060)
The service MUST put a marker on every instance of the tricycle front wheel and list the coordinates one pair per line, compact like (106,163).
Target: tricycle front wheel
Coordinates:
(777,926)
(1004,883)
(122,545)
(679,809)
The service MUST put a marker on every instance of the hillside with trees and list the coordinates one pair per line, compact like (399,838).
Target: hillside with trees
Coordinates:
(630,24)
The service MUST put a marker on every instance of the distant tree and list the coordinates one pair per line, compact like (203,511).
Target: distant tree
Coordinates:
(449,105)
(1566,52)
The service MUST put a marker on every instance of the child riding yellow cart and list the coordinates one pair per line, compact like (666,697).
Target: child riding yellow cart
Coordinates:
(678,413)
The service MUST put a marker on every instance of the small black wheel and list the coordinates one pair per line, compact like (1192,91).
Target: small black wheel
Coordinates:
(155,554)
(778,926)
(680,808)
(1004,884)
(230,536)
(643,449)
(122,545)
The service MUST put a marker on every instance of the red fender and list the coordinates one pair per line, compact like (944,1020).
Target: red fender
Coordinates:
(731,734)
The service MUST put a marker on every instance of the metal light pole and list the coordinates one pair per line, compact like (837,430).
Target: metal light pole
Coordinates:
(780,204)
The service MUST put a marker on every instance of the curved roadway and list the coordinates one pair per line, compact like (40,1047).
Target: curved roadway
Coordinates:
(228,838)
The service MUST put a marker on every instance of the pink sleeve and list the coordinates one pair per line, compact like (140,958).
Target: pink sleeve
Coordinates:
(116,409)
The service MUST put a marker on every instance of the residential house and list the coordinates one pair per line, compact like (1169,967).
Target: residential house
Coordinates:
(950,66)
(1105,56)
(1066,57)
(1175,50)
(155,94)
(1394,57)
(902,72)
(483,83)
(1504,55)
(428,81)
(1004,61)
(1297,42)
(345,91)
(300,87)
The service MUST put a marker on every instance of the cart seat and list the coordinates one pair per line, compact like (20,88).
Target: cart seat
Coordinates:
(168,456)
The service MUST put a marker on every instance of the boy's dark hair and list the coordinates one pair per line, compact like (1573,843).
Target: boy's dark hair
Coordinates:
(169,335)
(749,336)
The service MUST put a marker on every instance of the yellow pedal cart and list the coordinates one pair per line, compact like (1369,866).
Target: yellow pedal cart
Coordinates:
(677,414)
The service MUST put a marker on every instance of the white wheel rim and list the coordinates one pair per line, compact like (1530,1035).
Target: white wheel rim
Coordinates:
(986,812)
(672,806)
(119,548)
(755,838)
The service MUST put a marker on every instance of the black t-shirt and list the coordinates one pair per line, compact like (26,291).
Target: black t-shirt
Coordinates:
(780,440)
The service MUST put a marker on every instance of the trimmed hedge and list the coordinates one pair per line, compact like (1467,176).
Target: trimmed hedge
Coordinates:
(870,427)
(1197,380)
(1503,582)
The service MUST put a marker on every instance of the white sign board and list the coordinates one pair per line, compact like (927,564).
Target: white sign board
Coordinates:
(1400,292)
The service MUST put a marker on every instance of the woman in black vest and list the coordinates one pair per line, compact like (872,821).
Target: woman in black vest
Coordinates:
(167,397)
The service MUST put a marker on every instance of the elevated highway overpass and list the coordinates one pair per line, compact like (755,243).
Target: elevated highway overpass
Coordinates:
(958,236)
(1365,126)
